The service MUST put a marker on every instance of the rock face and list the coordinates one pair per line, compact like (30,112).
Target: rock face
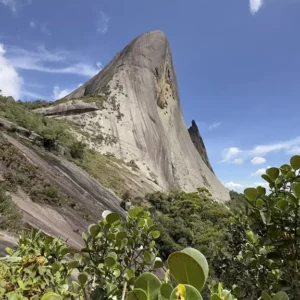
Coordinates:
(133,111)
(199,144)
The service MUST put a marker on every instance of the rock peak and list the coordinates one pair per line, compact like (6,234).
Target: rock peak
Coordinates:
(199,144)
(132,109)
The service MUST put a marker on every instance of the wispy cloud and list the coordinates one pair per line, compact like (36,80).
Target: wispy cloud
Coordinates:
(259,172)
(32,24)
(258,160)
(257,154)
(15,5)
(230,153)
(214,125)
(54,61)
(12,4)
(10,80)
(255,6)
(102,23)
(44,29)
(238,161)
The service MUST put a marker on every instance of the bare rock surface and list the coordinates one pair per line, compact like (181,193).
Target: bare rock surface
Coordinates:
(139,117)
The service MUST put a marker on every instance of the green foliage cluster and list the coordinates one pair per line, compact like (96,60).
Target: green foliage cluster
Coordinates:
(190,219)
(272,225)
(10,216)
(118,262)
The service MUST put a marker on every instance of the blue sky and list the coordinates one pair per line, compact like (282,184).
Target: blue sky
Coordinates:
(237,65)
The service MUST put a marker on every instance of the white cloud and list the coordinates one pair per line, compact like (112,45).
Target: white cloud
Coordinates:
(230,153)
(44,29)
(79,85)
(290,147)
(258,160)
(259,172)
(255,6)
(55,61)
(234,186)
(10,81)
(58,93)
(295,149)
(99,64)
(32,24)
(214,125)
(102,23)
(263,184)
(238,161)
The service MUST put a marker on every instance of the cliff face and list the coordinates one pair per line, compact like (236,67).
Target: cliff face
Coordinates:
(132,110)
(199,144)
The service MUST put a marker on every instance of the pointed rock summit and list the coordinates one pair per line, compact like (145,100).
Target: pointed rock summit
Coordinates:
(199,144)
(132,109)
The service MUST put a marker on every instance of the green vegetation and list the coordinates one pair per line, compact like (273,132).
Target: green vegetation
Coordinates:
(189,219)
(56,132)
(119,261)
(51,130)
(19,172)
(10,216)
(107,169)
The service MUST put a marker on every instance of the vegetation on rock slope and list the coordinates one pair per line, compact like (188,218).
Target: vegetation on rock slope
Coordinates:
(55,133)
(120,258)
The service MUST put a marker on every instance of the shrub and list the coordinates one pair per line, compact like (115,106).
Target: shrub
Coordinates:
(77,150)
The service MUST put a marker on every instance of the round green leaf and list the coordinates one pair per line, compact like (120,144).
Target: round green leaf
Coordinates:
(147,256)
(237,290)
(55,267)
(189,266)
(150,284)
(166,290)
(158,263)
(296,189)
(94,229)
(295,162)
(281,296)
(285,168)
(265,296)
(155,234)
(113,217)
(137,294)
(111,259)
(259,203)
(51,296)
(82,278)
(281,204)
(261,190)
(251,194)
(273,173)
(121,235)
(266,178)
(190,293)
